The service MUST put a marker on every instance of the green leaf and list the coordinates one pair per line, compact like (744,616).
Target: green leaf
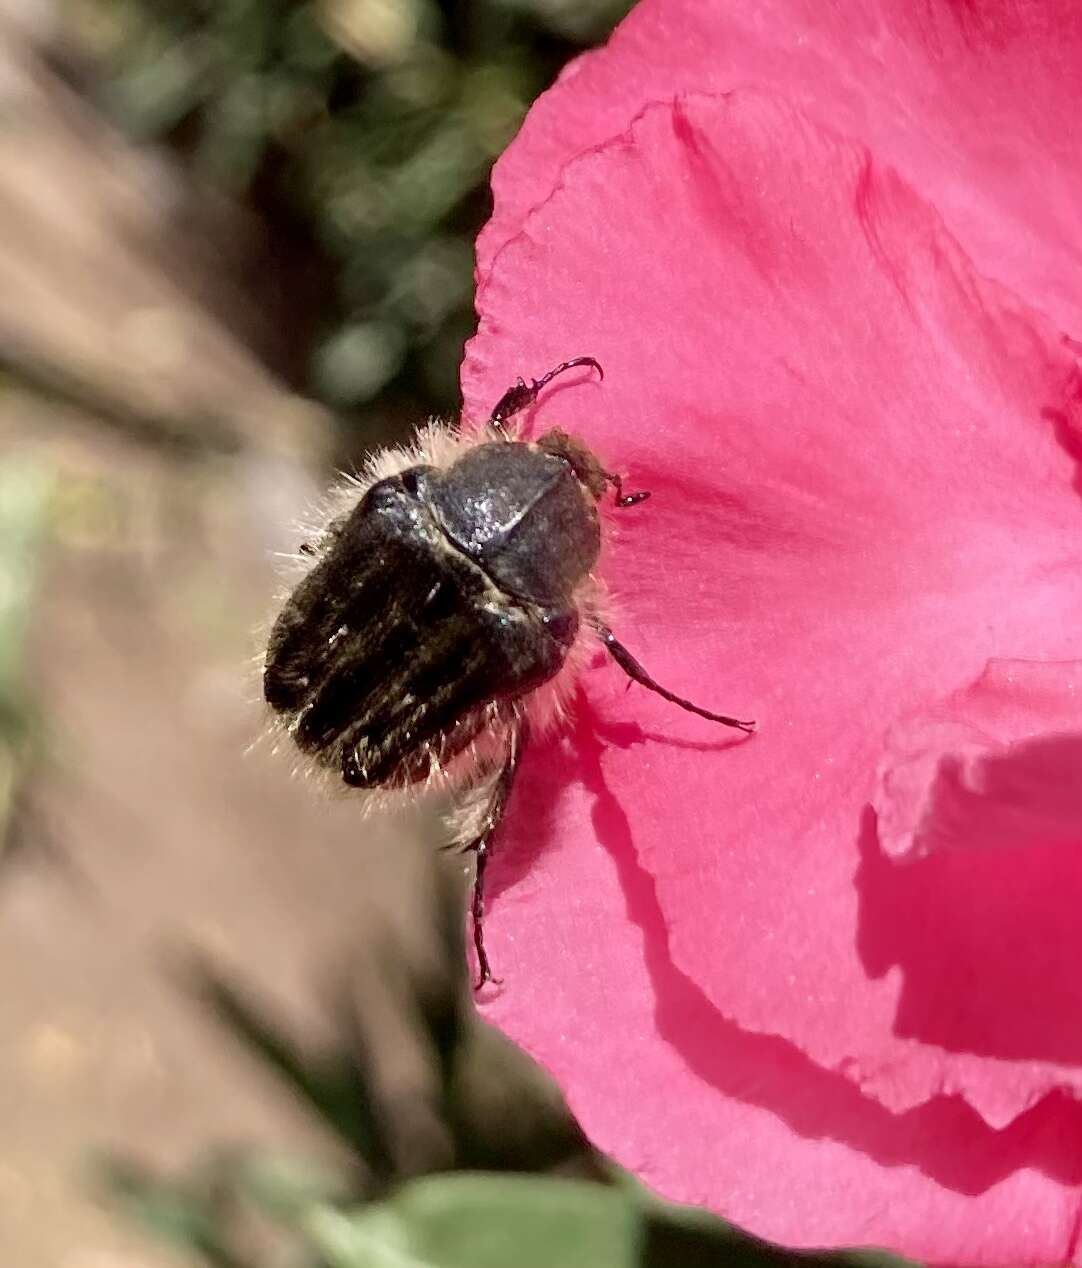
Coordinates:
(282,1185)
(25,490)
(24,495)
(485,1221)
(488,1220)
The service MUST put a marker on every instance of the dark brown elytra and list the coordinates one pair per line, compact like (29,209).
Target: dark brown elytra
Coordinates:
(438,602)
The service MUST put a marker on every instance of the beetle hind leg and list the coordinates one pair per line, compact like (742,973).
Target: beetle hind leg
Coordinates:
(481,845)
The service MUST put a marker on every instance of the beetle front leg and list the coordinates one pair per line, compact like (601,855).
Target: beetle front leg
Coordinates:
(523,394)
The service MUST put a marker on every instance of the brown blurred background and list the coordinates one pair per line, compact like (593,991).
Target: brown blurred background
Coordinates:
(235,250)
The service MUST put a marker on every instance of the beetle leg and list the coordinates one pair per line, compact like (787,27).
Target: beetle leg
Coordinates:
(481,845)
(517,398)
(477,912)
(638,674)
(624,499)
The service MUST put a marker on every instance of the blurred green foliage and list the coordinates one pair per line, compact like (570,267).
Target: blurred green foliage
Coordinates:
(25,490)
(467,1220)
(361,134)
(475,1220)
(490,1169)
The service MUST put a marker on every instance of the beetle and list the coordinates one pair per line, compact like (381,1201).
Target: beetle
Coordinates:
(449,602)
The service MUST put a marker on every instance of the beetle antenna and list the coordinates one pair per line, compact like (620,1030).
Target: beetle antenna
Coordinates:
(522,394)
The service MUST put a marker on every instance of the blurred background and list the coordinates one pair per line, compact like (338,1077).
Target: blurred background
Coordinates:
(235,250)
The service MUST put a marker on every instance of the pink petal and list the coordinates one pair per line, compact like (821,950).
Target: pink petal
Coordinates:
(978,771)
(989,805)
(860,500)
(976,103)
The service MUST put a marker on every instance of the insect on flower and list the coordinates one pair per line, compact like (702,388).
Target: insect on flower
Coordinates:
(449,605)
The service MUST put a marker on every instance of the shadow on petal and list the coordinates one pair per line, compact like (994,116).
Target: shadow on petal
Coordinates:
(532,803)
(562,759)
(945,1138)
(628,734)
(987,938)
(1067,420)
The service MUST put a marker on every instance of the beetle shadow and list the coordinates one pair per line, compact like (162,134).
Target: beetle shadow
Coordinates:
(559,757)
(529,425)
(629,734)
(549,767)
(1069,438)
(945,1137)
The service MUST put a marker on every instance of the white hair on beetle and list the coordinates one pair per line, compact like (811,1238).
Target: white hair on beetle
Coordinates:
(469,775)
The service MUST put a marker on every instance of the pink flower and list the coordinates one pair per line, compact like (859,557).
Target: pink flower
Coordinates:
(828,980)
